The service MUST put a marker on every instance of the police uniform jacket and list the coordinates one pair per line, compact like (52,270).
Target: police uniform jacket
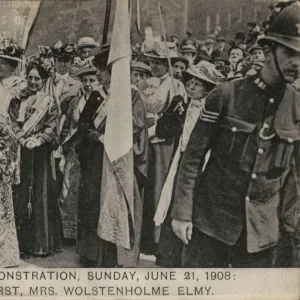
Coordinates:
(253,132)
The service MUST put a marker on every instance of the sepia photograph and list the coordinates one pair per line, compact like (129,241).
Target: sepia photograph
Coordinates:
(149,145)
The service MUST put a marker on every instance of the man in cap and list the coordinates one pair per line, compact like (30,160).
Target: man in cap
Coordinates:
(85,46)
(221,61)
(221,43)
(253,31)
(239,40)
(210,44)
(139,71)
(257,53)
(91,128)
(10,57)
(179,65)
(244,209)
(189,52)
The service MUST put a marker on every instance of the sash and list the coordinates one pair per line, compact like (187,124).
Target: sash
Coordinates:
(192,116)
(101,112)
(75,117)
(41,109)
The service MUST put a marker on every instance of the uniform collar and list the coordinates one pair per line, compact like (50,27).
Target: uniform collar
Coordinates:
(270,91)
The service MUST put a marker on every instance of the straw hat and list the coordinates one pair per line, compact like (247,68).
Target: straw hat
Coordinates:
(10,50)
(206,71)
(86,42)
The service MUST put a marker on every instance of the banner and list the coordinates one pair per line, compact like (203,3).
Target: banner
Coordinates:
(17,18)
(116,219)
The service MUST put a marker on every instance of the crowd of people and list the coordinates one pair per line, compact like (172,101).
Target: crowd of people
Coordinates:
(213,120)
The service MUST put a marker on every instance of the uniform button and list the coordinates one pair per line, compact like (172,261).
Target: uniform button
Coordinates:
(247,199)
(271,100)
(234,129)
(260,151)
(253,176)
(290,140)
(98,98)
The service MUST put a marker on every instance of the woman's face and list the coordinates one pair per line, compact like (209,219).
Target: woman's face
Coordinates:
(34,80)
(195,89)
(158,67)
(89,83)
(6,69)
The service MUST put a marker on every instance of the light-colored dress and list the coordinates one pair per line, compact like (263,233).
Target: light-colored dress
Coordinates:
(9,248)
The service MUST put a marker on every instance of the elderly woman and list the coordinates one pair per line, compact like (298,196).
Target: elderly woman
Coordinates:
(70,166)
(8,153)
(34,115)
(199,80)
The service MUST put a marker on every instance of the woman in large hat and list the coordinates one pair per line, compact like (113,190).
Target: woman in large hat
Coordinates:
(199,80)
(10,58)
(63,87)
(160,93)
(34,115)
(68,199)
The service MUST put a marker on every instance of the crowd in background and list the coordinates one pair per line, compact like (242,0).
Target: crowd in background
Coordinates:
(52,128)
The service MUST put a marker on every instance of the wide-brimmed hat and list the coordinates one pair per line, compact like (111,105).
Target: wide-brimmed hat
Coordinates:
(158,50)
(63,50)
(206,71)
(220,56)
(140,66)
(86,42)
(285,28)
(10,50)
(188,49)
(182,59)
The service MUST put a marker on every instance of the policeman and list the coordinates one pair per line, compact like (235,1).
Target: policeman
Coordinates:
(243,209)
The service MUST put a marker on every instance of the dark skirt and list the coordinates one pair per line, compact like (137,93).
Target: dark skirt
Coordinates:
(91,162)
(37,213)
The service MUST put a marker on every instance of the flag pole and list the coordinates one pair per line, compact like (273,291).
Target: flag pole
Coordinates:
(106,22)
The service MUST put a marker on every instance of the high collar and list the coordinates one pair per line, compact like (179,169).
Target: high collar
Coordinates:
(267,89)
(62,77)
(165,76)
